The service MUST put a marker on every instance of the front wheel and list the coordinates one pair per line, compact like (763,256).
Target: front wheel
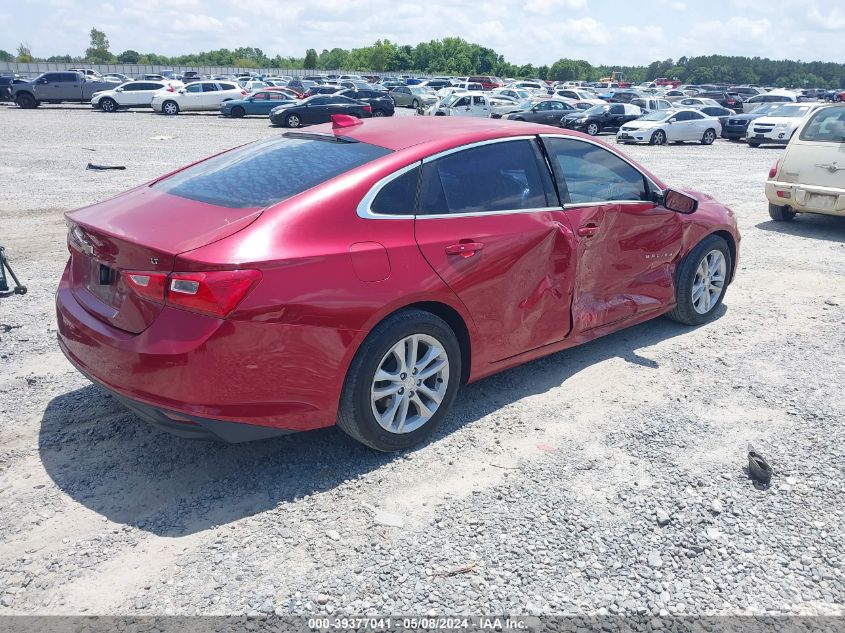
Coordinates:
(26,101)
(753,144)
(415,104)
(108,105)
(593,129)
(781,214)
(658,138)
(709,137)
(238,112)
(701,281)
(293,120)
(170,108)
(402,381)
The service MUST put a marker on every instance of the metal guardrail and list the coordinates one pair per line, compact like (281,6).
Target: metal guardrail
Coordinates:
(36,68)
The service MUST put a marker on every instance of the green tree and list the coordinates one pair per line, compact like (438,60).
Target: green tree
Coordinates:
(310,59)
(129,57)
(98,52)
(6,56)
(24,53)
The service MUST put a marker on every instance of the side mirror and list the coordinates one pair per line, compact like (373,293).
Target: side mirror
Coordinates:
(182,91)
(43,80)
(118,89)
(672,120)
(678,202)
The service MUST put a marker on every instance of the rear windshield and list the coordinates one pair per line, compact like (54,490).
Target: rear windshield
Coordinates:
(269,171)
(828,125)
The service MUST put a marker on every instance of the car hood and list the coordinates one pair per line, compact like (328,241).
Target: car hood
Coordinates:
(642,124)
(779,120)
(574,116)
(749,116)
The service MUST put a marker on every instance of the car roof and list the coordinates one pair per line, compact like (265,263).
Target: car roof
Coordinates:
(432,134)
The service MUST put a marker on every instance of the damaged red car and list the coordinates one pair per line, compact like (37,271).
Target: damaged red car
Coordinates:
(358,273)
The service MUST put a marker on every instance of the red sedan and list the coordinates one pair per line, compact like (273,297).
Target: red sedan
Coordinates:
(359,272)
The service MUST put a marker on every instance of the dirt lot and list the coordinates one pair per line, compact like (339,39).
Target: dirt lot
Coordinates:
(542,492)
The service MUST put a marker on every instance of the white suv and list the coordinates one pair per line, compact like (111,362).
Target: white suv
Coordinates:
(777,127)
(132,94)
(199,95)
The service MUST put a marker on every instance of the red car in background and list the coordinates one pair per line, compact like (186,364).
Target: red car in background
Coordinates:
(359,272)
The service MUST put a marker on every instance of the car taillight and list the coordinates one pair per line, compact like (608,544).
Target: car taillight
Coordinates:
(244,93)
(774,170)
(368,108)
(215,293)
(170,89)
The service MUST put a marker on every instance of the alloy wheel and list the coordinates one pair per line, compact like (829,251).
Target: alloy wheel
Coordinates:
(293,121)
(709,282)
(410,383)
(592,129)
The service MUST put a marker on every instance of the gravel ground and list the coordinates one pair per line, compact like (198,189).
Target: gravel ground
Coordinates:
(604,479)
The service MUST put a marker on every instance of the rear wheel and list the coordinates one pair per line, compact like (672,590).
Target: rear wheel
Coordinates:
(293,120)
(402,381)
(658,138)
(701,281)
(238,112)
(753,144)
(108,105)
(709,137)
(378,113)
(170,108)
(593,129)
(781,214)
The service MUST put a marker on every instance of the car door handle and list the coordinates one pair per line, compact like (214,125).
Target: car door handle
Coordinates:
(464,249)
(588,230)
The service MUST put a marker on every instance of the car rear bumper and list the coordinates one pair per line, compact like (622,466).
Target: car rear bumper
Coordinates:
(210,371)
(807,199)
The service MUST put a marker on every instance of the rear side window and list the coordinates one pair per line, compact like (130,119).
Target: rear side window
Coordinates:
(227,86)
(267,172)
(495,177)
(399,196)
(587,173)
(827,125)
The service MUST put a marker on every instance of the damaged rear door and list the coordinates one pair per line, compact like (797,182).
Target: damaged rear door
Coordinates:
(490,224)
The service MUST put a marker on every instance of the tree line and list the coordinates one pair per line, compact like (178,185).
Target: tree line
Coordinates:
(455,56)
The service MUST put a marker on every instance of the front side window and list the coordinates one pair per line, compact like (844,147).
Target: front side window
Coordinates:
(501,176)
(194,88)
(589,174)
(826,125)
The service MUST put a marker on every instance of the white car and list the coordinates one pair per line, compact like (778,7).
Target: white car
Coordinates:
(775,96)
(652,103)
(583,96)
(777,127)
(675,126)
(132,94)
(696,102)
(199,95)
(474,104)
(520,94)
(810,176)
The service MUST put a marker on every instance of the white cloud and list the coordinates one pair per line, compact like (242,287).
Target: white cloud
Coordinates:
(548,7)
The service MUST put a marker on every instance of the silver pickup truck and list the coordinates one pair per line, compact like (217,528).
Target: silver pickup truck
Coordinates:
(57,87)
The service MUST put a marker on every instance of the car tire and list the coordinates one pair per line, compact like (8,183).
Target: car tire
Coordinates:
(170,108)
(26,101)
(708,137)
(358,405)
(751,144)
(692,282)
(781,214)
(415,104)
(593,129)
(378,113)
(293,120)
(658,138)
(108,104)
(238,112)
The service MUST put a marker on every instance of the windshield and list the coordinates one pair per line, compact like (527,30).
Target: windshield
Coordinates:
(657,115)
(595,110)
(420,90)
(791,111)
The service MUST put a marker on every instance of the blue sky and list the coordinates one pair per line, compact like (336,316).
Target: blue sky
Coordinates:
(536,31)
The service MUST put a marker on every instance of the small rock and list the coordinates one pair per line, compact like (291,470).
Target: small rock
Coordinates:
(716,506)
(321,599)
(8,600)
(654,560)
(663,517)
(333,535)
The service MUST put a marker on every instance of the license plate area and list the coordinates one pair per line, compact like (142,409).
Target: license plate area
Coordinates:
(820,201)
(102,283)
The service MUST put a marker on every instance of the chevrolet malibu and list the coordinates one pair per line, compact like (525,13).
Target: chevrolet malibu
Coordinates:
(370,269)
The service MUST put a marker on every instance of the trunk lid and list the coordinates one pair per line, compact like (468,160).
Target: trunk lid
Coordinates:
(141,230)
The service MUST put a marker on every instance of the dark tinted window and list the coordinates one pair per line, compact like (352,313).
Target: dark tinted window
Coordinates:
(495,177)
(588,173)
(265,172)
(398,197)
(684,115)
(52,77)
(692,116)
(617,108)
(209,87)
(227,86)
